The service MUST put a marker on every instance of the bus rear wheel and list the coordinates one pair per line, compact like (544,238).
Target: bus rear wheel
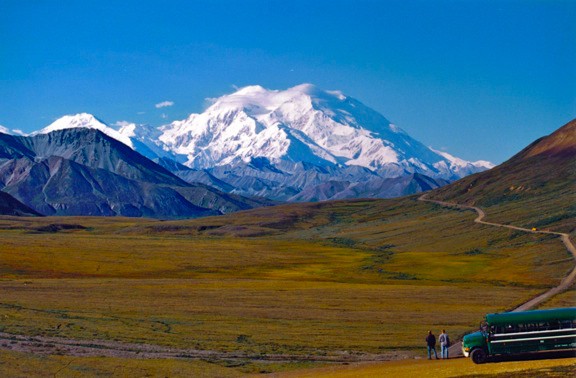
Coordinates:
(478,356)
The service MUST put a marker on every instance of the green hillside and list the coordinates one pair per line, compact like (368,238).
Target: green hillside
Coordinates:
(535,188)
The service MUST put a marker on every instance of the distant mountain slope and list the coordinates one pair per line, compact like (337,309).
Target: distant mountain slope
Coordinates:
(83,171)
(377,187)
(300,182)
(536,187)
(11,206)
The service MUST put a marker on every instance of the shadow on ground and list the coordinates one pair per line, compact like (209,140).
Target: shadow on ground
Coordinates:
(534,356)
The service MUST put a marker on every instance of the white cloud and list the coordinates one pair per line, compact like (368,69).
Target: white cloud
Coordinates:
(126,128)
(4,130)
(122,123)
(164,104)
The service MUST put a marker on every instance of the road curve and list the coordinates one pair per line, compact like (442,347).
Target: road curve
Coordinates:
(456,349)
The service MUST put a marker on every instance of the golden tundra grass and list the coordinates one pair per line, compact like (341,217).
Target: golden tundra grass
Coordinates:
(358,276)
(559,368)
(23,365)
(15,365)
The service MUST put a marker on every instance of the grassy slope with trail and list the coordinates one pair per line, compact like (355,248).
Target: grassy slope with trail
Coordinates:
(534,188)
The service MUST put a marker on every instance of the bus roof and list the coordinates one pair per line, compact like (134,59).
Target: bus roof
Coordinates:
(532,316)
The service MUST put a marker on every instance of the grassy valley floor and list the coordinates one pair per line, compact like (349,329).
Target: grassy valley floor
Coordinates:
(311,282)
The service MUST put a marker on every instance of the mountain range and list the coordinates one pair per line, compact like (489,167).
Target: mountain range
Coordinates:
(300,144)
(82,171)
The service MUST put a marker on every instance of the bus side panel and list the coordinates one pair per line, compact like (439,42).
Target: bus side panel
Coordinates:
(511,344)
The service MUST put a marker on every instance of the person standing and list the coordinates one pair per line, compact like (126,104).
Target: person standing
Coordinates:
(444,341)
(431,344)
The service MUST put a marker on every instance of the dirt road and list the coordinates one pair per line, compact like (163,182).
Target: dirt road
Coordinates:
(456,349)
(45,345)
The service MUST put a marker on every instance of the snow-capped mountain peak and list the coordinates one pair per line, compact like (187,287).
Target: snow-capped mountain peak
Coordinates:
(302,123)
(85,120)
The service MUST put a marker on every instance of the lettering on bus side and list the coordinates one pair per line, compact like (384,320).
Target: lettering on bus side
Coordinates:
(532,337)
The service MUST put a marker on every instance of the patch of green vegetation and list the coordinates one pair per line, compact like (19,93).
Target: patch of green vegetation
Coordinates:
(402,276)
(474,252)
(56,227)
(556,218)
(344,242)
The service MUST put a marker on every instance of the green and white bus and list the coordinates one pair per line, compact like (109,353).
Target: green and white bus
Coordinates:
(522,332)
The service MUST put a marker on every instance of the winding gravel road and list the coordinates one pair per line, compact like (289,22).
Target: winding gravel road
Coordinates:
(456,349)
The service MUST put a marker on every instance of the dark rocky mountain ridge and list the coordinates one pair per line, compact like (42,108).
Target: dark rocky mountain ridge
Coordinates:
(11,206)
(85,172)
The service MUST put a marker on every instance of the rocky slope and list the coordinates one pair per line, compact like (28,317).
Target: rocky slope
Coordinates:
(83,171)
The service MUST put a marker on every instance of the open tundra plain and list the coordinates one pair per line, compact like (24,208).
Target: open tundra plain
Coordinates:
(265,290)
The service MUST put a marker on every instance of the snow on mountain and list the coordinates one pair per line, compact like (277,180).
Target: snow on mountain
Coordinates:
(144,139)
(4,130)
(457,162)
(85,120)
(141,138)
(460,167)
(295,125)
(303,123)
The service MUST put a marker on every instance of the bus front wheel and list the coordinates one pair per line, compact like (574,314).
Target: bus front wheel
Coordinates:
(478,356)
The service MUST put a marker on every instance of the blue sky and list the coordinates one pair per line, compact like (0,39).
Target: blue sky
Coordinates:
(478,79)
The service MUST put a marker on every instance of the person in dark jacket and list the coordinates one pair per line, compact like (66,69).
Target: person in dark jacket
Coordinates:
(431,343)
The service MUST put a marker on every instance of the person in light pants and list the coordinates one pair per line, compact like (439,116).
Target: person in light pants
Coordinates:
(444,341)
